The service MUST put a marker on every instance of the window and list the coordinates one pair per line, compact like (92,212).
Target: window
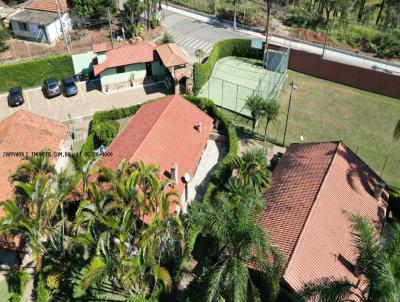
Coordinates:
(23,26)
(120,69)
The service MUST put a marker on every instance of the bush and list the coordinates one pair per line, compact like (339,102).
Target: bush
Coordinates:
(42,293)
(17,283)
(222,49)
(153,22)
(88,147)
(105,132)
(167,38)
(32,73)
(224,169)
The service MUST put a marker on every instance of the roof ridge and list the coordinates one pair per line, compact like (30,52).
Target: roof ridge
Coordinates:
(313,205)
(154,125)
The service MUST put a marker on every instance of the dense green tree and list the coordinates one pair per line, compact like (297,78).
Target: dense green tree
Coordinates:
(93,8)
(4,35)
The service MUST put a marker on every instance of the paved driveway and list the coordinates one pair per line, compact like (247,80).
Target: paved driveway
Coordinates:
(86,103)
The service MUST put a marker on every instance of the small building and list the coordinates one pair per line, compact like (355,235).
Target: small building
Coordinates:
(313,188)
(132,64)
(170,132)
(38,21)
(21,134)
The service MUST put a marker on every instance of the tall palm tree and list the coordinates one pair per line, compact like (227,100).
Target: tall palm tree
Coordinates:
(34,219)
(83,167)
(271,109)
(254,103)
(33,166)
(378,261)
(241,242)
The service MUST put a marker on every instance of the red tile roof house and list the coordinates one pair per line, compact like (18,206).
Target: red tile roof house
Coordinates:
(312,188)
(170,132)
(24,132)
(134,64)
(38,21)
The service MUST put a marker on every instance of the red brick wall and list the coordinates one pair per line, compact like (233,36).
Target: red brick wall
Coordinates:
(366,79)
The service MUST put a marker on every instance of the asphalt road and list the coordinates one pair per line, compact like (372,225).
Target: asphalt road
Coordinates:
(192,31)
(191,34)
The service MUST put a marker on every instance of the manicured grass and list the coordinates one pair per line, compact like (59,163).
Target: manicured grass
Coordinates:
(32,73)
(323,111)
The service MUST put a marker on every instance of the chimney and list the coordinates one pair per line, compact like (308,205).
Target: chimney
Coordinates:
(174,173)
(197,126)
(380,185)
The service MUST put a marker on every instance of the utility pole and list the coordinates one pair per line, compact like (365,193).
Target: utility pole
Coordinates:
(62,27)
(109,22)
(292,88)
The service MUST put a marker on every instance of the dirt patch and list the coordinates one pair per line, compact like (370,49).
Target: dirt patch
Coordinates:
(80,41)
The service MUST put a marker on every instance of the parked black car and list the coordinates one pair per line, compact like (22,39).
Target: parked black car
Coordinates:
(15,97)
(69,87)
(51,88)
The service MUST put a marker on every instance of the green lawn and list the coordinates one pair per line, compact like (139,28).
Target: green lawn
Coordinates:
(323,110)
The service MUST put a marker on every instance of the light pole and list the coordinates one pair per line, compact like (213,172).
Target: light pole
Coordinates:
(186,178)
(292,88)
(326,39)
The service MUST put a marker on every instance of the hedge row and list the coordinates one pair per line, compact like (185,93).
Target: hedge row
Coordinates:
(104,127)
(224,169)
(32,73)
(224,48)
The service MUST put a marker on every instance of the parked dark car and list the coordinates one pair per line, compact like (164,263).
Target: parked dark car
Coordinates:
(51,88)
(69,87)
(15,97)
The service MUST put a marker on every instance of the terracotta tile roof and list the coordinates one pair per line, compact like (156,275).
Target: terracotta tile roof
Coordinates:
(25,132)
(126,55)
(163,132)
(171,55)
(312,187)
(101,47)
(47,5)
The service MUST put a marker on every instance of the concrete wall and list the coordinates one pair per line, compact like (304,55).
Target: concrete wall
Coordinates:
(132,72)
(366,79)
(83,62)
(36,32)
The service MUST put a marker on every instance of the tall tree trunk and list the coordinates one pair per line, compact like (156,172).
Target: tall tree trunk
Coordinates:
(267,29)
(215,7)
(234,14)
(380,12)
(266,128)
(361,10)
(254,124)
(309,5)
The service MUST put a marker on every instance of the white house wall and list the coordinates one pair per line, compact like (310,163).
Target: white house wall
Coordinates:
(54,30)
(35,33)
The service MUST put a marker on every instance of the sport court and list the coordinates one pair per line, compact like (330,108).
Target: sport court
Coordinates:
(235,78)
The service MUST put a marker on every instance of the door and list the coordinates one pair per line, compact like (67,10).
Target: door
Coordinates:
(149,71)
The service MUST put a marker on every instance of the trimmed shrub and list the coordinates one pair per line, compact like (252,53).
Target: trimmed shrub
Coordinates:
(105,132)
(32,73)
(104,127)
(88,146)
(42,293)
(222,49)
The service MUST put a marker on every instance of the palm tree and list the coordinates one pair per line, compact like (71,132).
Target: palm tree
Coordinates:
(34,219)
(33,166)
(229,219)
(378,261)
(199,53)
(82,166)
(254,103)
(252,168)
(271,109)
